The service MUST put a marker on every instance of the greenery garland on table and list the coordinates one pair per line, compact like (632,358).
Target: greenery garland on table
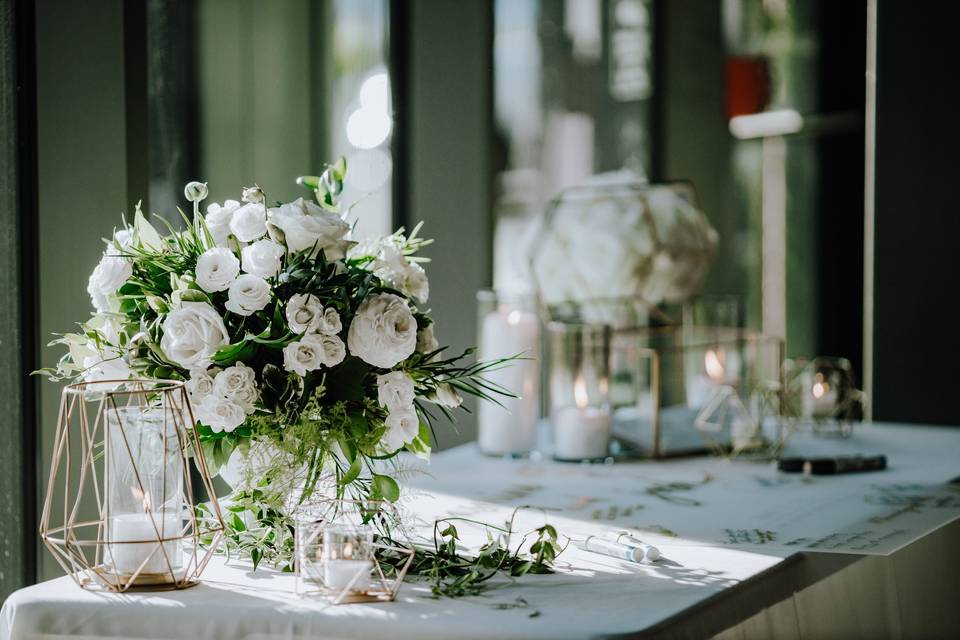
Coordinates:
(308,356)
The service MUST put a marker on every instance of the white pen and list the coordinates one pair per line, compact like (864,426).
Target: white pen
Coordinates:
(609,548)
(649,551)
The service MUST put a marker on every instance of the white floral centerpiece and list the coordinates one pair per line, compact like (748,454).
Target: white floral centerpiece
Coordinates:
(306,354)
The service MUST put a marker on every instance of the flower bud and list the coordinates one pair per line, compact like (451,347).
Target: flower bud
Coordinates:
(253,195)
(195,191)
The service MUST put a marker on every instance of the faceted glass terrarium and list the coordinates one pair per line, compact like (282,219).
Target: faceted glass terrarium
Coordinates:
(665,379)
(617,238)
(119,509)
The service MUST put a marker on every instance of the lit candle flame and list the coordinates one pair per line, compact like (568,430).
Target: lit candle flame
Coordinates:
(580,393)
(820,389)
(143,497)
(713,364)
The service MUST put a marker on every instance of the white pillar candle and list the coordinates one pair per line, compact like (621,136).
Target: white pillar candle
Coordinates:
(137,529)
(581,433)
(339,574)
(512,428)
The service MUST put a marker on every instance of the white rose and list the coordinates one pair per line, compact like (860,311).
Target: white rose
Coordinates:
(249,222)
(108,276)
(403,426)
(238,384)
(384,331)
(195,191)
(426,341)
(247,295)
(218,220)
(304,312)
(329,323)
(262,258)
(192,333)
(395,390)
(200,384)
(217,268)
(305,225)
(446,395)
(313,351)
(333,351)
(221,414)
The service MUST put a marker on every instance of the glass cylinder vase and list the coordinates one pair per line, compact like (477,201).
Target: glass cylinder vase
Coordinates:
(579,390)
(145,509)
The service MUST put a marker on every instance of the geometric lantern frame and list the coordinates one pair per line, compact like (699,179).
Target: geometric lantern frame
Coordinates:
(311,520)
(120,442)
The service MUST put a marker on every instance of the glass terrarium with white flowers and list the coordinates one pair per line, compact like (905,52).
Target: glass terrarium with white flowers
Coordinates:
(309,358)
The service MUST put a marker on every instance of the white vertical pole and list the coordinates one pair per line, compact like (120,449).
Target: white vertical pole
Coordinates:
(869,174)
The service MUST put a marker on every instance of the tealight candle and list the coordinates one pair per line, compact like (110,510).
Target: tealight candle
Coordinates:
(340,574)
(581,432)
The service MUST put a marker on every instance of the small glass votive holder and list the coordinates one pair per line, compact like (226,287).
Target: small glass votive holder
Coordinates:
(822,394)
(340,555)
(580,411)
(334,560)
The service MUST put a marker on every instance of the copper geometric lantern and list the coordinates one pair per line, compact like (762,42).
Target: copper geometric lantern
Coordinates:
(119,511)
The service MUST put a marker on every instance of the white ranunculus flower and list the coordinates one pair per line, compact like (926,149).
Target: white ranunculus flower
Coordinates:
(238,383)
(247,295)
(304,312)
(395,390)
(262,258)
(384,331)
(426,341)
(108,276)
(446,396)
(217,268)
(220,413)
(192,333)
(218,220)
(249,223)
(403,426)
(195,191)
(329,323)
(305,225)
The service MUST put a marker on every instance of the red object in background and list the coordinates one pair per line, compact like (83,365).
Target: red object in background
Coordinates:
(748,85)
